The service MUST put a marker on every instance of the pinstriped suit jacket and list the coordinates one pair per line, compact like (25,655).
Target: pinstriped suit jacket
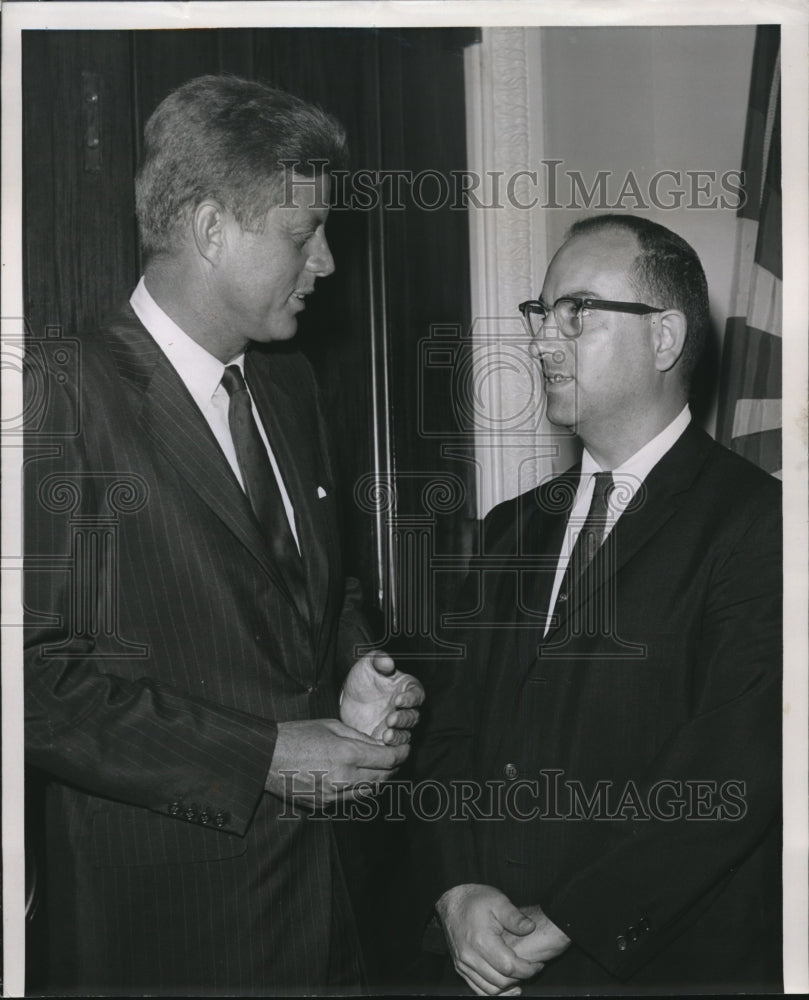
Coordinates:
(162,646)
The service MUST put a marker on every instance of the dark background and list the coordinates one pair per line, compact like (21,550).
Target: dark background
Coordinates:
(400,95)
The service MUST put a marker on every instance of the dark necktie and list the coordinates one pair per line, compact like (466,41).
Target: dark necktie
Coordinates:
(587,544)
(592,533)
(260,484)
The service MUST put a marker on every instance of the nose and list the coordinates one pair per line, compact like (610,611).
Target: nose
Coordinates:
(550,327)
(546,341)
(320,260)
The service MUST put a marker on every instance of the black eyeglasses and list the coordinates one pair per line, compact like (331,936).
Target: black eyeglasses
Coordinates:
(570,312)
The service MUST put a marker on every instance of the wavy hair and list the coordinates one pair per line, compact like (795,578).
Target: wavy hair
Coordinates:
(227,138)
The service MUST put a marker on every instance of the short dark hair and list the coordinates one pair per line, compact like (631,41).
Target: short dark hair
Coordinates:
(227,138)
(667,272)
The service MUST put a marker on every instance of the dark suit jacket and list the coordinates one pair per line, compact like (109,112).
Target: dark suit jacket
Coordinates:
(162,646)
(649,718)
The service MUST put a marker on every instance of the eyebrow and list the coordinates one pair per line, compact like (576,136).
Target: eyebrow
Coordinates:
(581,294)
(303,217)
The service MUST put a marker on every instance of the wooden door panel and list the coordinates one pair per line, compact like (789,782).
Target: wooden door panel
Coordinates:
(79,236)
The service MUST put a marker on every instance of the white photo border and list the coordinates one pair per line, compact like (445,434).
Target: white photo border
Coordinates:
(793,16)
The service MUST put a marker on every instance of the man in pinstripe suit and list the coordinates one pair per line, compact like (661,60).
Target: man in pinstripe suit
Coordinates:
(189,694)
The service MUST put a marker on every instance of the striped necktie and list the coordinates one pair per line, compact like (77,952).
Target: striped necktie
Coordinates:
(591,535)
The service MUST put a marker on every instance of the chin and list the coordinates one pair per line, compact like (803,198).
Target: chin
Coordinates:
(280,332)
(558,417)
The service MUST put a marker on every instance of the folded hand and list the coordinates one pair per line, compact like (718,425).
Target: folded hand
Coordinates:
(379,700)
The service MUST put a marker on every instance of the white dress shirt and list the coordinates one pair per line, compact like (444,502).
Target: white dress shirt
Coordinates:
(628,479)
(201,374)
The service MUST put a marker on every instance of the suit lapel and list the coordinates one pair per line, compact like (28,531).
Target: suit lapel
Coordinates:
(287,429)
(171,420)
(523,597)
(544,536)
(653,505)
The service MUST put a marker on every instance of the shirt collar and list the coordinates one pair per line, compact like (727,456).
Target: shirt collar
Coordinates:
(200,370)
(638,466)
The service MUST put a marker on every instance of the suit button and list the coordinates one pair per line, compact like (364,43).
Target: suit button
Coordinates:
(191,813)
(510,771)
(562,597)
(174,809)
(644,924)
(621,942)
(221,818)
(205,817)
(311,689)
(633,933)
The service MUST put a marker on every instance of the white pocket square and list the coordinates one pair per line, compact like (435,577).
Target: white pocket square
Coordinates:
(320,492)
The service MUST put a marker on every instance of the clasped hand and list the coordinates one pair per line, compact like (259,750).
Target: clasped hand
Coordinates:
(318,761)
(493,944)
(379,700)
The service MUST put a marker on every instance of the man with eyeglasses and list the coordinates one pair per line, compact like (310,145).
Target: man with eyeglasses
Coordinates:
(618,707)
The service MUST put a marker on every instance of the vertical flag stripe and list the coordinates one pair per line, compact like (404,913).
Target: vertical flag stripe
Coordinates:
(761,414)
(749,411)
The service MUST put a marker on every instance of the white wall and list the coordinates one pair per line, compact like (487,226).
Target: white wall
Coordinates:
(645,100)
(630,102)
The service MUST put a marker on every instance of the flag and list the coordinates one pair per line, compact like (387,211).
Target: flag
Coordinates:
(749,411)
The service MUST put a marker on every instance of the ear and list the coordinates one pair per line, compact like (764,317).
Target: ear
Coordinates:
(669,332)
(209,229)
